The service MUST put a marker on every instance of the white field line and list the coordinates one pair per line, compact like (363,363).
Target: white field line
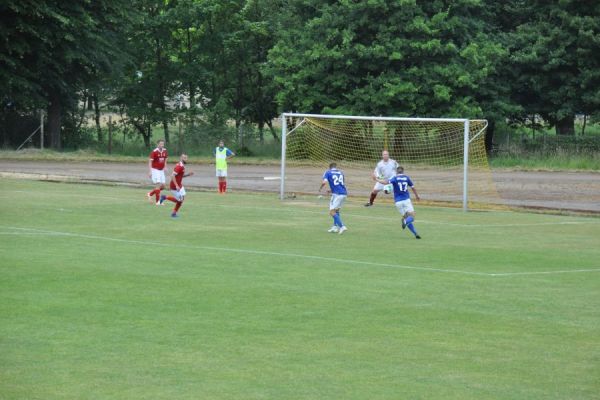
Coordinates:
(242,251)
(21,231)
(544,272)
(32,234)
(324,212)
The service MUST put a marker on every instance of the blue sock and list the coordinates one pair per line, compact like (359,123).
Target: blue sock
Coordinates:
(412,228)
(337,220)
(409,219)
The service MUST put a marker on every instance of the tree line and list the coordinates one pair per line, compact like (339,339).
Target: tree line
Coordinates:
(246,61)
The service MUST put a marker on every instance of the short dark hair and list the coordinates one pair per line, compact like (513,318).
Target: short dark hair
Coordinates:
(332,165)
(400,169)
(160,140)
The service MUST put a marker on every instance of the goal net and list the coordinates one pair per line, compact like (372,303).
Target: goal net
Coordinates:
(446,158)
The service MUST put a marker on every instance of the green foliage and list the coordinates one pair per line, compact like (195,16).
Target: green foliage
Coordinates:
(248,60)
(51,50)
(386,58)
(554,59)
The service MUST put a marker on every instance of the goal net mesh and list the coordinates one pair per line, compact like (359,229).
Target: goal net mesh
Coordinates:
(431,152)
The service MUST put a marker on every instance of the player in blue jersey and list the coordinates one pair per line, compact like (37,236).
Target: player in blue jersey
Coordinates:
(401,183)
(335,178)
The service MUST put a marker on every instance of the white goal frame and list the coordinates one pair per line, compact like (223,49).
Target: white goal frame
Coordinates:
(466,140)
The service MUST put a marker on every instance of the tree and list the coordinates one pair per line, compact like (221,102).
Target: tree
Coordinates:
(417,59)
(51,50)
(149,77)
(259,27)
(554,55)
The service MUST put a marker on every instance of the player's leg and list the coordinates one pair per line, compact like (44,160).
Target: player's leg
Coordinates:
(157,191)
(179,197)
(334,210)
(343,227)
(176,208)
(160,186)
(409,218)
(334,228)
(158,179)
(220,178)
(174,198)
(334,213)
(337,220)
(224,180)
(376,189)
(152,193)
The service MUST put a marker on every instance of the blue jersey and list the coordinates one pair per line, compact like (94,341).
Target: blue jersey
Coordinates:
(335,178)
(401,183)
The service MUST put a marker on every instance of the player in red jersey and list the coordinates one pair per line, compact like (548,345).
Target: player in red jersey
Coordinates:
(157,166)
(176,185)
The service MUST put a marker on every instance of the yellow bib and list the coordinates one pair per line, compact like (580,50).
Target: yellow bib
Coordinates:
(221,156)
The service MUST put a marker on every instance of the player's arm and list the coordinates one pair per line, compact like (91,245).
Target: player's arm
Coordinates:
(383,181)
(322,184)
(376,174)
(231,155)
(415,192)
(325,182)
(150,167)
(189,174)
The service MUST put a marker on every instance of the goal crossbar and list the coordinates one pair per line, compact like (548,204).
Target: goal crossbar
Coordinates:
(364,118)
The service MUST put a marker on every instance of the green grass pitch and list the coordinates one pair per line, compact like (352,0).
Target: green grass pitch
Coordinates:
(104,296)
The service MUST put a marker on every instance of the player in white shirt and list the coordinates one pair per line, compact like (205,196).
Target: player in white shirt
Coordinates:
(385,170)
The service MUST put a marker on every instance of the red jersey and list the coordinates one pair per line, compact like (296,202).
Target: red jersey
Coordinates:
(178,171)
(159,158)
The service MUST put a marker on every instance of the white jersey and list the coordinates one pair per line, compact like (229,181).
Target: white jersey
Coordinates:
(386,170)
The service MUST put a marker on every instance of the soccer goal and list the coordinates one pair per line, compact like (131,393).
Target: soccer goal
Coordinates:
(446,157)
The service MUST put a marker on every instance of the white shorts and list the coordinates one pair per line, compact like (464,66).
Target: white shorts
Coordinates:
(179,194)
(404,206)
(222,173)
(378,187)
(336,201)
(158,176)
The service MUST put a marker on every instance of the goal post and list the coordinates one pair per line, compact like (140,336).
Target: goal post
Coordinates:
(446,155)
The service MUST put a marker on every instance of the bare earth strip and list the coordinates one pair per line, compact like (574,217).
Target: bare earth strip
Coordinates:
(579,191)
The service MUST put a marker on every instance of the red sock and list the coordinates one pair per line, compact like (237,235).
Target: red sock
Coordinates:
(157,194)
(177,205)
(224,186)
(373,195)
(151,192)
(221,186)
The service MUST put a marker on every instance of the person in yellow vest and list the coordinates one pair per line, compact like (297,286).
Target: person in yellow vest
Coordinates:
(222,154)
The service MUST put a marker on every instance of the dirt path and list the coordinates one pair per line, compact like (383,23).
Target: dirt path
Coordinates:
(554,190)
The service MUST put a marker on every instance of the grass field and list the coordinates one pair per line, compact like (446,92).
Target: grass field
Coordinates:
(104,296)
